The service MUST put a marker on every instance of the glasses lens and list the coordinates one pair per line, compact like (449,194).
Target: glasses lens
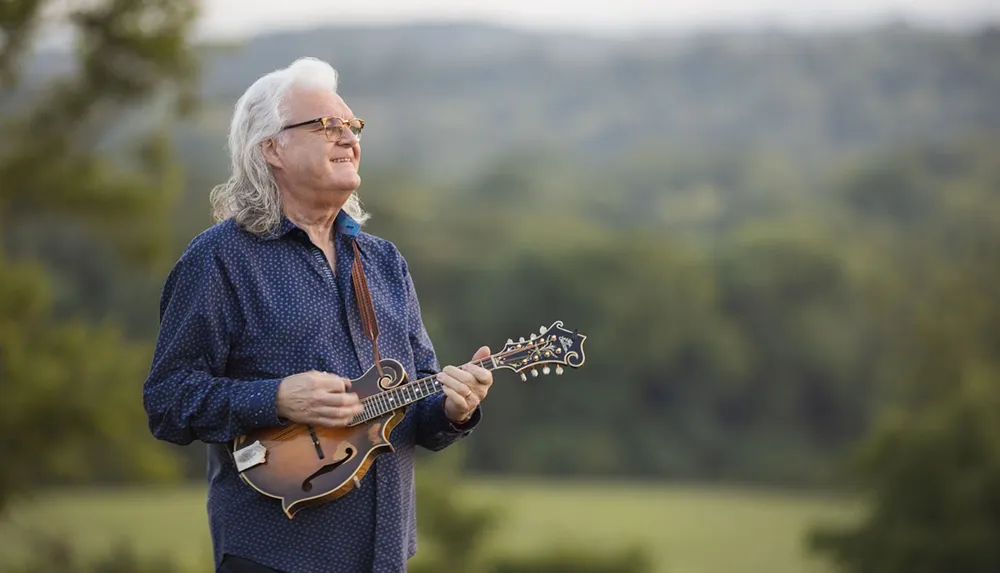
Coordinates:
(356,126)
(335,128)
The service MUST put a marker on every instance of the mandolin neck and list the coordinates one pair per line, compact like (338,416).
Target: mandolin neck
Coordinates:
(405,394)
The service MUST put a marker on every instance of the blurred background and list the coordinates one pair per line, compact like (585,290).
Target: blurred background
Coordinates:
(777,222)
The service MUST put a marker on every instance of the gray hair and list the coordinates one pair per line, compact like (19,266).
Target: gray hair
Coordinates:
(251,194)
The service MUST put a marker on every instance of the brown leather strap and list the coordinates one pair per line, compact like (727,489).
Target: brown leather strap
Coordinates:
(365,306)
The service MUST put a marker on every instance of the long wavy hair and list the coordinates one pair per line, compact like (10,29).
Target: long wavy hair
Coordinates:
(251,194)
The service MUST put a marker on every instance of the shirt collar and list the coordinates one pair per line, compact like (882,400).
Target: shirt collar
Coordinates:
(344,224)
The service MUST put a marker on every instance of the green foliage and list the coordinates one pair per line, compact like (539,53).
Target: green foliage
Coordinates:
(931,467)
(758,351)
(69,385)
(63,397)
(732,346)
(19,20)
(127,53)
(934,480)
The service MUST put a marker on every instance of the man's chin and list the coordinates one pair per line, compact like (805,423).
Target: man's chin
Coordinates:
(347,187)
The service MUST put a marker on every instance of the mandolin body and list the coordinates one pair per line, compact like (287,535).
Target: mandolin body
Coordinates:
(304,466)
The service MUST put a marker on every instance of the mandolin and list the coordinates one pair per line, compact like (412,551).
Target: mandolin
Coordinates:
(305,465)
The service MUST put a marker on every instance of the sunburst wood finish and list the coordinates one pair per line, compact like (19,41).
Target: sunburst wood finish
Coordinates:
(294,471)
(304,466)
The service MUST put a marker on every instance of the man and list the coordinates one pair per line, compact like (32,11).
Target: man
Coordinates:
(259,326)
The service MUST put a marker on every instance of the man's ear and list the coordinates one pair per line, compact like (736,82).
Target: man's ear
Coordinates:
(270,149)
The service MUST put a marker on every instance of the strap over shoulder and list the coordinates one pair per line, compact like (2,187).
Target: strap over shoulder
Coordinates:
(365,305)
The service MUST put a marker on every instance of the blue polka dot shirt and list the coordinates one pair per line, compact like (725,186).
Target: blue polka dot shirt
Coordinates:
(238,313)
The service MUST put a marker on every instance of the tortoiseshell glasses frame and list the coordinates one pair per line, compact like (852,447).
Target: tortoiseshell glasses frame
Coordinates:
(333,127)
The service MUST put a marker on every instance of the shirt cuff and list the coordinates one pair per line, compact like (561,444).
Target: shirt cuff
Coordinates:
(256,404)
(464,428)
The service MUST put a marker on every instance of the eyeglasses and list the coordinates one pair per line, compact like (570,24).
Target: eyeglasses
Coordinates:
(333,127)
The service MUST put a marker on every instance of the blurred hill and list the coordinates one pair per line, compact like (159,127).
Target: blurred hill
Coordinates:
(446,98)
(444,101)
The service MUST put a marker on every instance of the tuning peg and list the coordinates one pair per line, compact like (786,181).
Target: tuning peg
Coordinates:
(510,341)
(546,370)
(559,370)
(542,329)
(533,336)
(534,373)
(524,377)
(522,339)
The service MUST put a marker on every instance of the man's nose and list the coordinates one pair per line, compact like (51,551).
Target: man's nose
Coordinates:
(348,139)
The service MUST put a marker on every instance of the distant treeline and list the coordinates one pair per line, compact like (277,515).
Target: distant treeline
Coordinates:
(753,338)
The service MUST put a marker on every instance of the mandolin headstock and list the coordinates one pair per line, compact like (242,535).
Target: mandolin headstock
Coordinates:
(553,345)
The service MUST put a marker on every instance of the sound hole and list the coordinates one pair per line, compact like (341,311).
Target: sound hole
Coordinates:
(307,484)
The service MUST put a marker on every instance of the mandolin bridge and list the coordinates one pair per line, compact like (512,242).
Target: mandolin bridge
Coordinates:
(315,441)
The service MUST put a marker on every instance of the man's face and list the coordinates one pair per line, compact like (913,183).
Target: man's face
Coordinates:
(310,162)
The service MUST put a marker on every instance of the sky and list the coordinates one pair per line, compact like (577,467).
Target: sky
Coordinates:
(241,18)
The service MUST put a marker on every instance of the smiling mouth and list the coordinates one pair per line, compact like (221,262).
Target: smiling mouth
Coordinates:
(342,160)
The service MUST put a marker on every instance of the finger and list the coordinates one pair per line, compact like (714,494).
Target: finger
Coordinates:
(335,412)
(332,382)
(470,397)
(461,395)
(472,400)
(333,417)
(332,422)
(449,382)
(457,399)
(336,399)
(482,375)
(343,412)
(462,376)
(483,352)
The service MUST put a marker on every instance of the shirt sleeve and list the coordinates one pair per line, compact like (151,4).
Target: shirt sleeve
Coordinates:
(433,428)
(186,396)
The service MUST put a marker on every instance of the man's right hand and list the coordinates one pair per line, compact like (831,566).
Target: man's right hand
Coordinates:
(317,398)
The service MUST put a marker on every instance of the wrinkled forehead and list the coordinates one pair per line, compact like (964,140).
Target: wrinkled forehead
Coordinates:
(305,103)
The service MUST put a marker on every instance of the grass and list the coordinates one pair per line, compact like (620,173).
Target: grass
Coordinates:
(688,529)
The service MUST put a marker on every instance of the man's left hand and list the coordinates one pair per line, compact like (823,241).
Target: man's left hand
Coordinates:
(465,387)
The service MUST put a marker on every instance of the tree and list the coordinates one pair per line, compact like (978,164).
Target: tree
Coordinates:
(934,481)
(69,386)
(931,468)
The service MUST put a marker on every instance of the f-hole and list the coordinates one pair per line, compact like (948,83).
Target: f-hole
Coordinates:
(348,454)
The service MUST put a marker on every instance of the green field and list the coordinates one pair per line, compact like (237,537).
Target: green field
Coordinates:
(694,529)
